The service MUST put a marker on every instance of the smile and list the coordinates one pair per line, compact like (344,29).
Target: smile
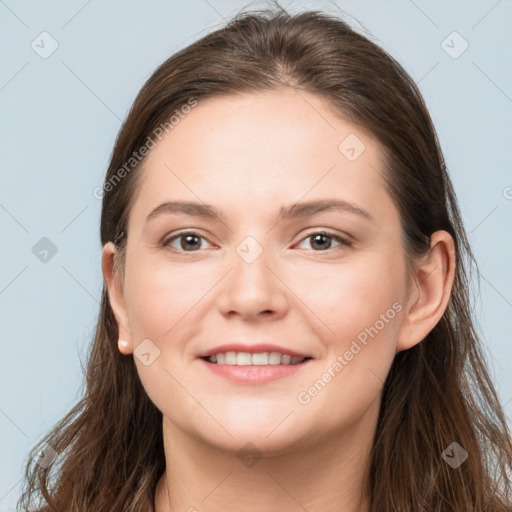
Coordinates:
(254,370)
(257,359)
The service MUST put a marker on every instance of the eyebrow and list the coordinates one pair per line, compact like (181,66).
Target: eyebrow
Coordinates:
(303,209)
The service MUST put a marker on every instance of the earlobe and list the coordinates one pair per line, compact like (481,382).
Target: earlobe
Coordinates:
(124,347)
(116,297)
(430,293)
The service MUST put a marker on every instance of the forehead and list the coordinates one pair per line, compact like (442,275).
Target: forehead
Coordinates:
(257,150)
(254,127)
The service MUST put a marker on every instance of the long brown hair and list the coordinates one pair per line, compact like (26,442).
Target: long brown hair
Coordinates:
(109,448)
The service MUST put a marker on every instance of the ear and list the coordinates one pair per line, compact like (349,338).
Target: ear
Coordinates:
(114,285)
(429,292)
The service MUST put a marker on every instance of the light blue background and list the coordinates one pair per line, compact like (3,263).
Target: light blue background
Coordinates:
(60,117)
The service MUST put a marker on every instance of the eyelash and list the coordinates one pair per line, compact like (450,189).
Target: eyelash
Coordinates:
(341,240)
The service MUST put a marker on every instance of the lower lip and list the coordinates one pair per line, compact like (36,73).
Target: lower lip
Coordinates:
(255,374)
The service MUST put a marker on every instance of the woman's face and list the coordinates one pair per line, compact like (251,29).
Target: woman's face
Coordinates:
(253,276)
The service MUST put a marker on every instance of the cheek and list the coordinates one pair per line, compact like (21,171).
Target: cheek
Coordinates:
(347,384)
(160,300)
(351,297)
(361,304)
(362,308)
(160,296)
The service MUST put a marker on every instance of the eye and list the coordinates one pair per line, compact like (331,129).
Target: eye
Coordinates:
(190,241)
(323,239)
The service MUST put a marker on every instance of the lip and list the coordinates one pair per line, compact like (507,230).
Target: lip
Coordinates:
(254,374)
(252,349)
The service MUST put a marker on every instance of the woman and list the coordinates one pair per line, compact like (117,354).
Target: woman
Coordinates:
(318,351)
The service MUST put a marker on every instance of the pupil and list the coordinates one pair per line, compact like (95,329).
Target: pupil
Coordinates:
(188,238)
(321,237)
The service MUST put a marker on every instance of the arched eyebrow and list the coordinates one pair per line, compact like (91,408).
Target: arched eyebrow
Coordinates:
(300,209)
(310,208)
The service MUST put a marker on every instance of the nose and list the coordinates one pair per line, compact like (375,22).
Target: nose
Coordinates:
(252,289)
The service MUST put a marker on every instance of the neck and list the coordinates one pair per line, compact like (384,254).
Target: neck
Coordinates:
(326,475)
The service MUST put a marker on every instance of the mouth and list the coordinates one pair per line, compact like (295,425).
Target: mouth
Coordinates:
(246,368)
(232,358)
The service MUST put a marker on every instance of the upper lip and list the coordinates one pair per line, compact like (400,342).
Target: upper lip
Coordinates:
(252,349)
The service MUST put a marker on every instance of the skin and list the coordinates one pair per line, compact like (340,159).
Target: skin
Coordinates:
(249,155)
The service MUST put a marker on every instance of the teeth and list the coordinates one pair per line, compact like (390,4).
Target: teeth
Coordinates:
(258,359)
(285,359)
(230,358)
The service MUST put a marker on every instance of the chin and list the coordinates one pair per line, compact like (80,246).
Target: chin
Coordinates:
(270,434)
(249,443)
